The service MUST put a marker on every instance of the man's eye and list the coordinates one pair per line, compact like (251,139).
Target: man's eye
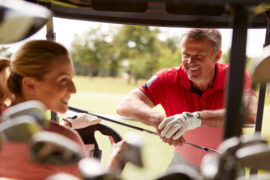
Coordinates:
(186,56)
(199,57)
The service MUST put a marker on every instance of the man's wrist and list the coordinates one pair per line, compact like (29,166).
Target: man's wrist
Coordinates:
(198,115)
(193,117)
(156,119)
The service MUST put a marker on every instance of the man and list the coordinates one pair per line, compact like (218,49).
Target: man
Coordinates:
(196,87)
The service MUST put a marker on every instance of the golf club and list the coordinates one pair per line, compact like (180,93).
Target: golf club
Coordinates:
(21,121)
(54,148)
(71,108)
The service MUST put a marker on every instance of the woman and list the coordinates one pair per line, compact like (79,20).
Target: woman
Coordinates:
(41,70)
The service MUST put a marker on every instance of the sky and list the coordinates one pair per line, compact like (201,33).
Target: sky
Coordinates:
(65,30)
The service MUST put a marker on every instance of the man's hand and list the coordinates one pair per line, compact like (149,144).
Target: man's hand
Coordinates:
(178,124)
(171,141)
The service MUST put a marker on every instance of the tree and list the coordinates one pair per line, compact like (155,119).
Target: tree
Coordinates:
(226,59)
(135,50)
(137,46)
(93,54)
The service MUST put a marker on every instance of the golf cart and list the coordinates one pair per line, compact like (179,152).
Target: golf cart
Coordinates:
(236,14)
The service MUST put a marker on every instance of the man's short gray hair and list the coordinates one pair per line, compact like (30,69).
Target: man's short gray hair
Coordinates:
(213,35)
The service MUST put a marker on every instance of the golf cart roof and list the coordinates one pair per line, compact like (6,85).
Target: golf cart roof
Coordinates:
(175,13)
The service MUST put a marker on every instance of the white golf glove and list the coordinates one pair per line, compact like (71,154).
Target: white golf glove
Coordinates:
(178,124)
(82,120)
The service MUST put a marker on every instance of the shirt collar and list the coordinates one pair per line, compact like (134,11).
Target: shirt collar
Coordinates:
(219,81)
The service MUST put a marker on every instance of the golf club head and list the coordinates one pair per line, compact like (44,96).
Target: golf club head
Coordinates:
(62,176)
(20,19)
(91,169)
(218,166)
(133,152)
(210,166)
(231,145)
(19,129)
(183,172)
(31,108)
(53,148)
(261,67)
(255,156)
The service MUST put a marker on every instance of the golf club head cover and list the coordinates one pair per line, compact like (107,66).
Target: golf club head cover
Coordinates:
(53,148)
(32,108)
(19,129)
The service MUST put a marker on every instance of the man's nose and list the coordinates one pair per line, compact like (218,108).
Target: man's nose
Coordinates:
(189,60)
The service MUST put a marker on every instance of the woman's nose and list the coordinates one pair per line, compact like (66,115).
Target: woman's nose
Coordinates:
(72,88)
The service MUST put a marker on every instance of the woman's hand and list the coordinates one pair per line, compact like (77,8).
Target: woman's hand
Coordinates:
(115,160)
(81,121)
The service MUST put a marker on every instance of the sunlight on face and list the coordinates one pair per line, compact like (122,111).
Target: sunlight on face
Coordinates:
(198,59)
(57,86)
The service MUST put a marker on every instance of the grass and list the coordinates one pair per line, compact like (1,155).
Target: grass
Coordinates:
(102,95)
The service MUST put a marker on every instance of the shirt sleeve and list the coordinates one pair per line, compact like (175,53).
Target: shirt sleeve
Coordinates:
(154,88)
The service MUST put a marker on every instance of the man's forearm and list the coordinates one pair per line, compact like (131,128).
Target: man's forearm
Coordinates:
(215,118)
(212,118)
(145,115)
(138,106)
(140,111)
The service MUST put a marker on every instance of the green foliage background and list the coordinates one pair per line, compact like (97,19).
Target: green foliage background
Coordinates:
(133,51)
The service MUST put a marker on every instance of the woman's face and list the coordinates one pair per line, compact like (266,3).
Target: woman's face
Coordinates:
(56,87)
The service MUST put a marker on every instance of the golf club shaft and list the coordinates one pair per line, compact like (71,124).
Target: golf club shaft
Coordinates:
(134,127)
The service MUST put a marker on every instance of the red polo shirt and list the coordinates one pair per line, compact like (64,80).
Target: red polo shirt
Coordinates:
(173,90)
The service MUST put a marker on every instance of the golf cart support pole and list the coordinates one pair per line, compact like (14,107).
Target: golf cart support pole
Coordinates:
(50,35)
(134,127)
(234,107)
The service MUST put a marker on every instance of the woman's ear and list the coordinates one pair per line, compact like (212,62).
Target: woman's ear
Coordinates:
(28,85)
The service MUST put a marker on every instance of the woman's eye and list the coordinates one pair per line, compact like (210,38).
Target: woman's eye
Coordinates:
(63,81)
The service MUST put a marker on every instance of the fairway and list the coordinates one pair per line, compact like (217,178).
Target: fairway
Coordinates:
(102,95)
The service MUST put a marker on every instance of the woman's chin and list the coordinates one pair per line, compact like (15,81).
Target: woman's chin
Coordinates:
(62,109)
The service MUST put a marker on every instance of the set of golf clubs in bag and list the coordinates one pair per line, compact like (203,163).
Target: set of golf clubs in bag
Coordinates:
(24,122)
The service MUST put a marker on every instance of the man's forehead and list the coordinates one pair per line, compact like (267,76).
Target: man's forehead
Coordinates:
(196,44)
(195,40)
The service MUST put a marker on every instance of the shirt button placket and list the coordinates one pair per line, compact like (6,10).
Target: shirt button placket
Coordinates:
(201,103)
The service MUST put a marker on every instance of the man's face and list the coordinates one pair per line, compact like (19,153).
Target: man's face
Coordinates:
(199,58)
